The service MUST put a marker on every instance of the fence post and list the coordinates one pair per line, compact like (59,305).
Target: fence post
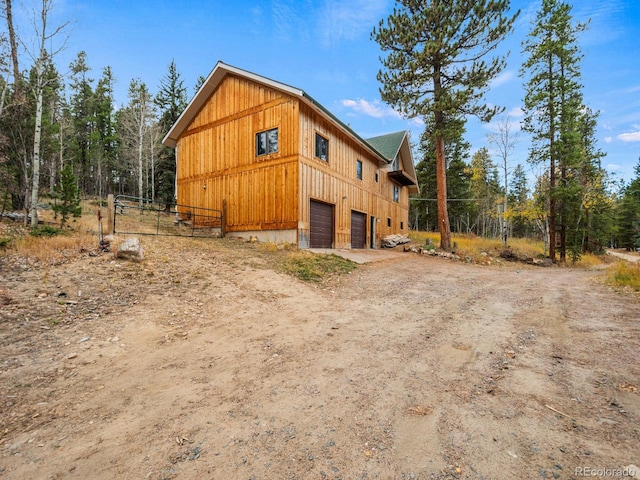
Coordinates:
(110,212)
(223,221)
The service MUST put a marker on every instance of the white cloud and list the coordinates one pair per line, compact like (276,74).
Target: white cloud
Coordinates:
(613,167)
(608,139)
(348,20)
(374,109)
(502,79)
(630,137)
(515,112)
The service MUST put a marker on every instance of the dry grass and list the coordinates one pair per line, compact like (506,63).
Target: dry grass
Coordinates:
(474,247)
(51,245)
(53,250)
(589,260)
(517,248)
(625,274)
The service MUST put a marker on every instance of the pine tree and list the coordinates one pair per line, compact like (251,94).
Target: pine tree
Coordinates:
(518,197)
(552,103)
(435,66)
(103,137)
(485,188)
(67,196)
(171,101)
(423,209)
(81,111)
(628,214)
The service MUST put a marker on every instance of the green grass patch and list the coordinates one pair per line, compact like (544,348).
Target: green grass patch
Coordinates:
(311,267)
(625,274)
(45,231)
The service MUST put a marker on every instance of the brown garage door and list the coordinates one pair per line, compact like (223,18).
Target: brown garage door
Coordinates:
(358,229)
(321,225)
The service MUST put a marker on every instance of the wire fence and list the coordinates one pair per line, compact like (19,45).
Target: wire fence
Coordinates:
(143,216)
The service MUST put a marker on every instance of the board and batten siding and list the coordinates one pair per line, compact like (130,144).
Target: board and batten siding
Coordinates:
(217,157)
(335,182)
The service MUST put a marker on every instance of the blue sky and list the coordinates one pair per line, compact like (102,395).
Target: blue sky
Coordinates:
(324,48)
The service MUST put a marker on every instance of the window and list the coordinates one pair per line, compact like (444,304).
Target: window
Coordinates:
(388,222)
(359,169)
(401,225)
(376,177)
(322,148)
(396,193)
(267,142)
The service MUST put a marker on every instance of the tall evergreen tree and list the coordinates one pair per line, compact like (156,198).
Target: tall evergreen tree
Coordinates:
(485,188)
(435,66)
(552,102)
(103,139)
(423,208)
(81,111)
(67,196)
(628,214)
(517,204)
(171,100)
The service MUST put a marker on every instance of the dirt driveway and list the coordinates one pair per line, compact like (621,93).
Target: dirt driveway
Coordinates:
(202,362)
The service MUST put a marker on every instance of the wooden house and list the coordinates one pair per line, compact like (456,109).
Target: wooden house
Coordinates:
(284,169)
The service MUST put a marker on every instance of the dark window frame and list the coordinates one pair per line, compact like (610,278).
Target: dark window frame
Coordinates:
(268,146)
(359,168)
(396,193)
(319,143)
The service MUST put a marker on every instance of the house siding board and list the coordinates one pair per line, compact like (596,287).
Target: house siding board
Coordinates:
(218,150)
(335,182)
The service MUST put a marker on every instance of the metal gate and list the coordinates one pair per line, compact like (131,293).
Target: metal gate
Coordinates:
(143,216)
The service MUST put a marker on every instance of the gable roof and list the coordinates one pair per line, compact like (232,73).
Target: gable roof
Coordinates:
(392,144)
(389,144)
(382,147)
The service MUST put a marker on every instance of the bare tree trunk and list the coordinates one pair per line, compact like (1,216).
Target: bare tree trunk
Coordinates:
(40,66)
(441,182)
(552,173)
(35,181)
(14,48)
(140,170)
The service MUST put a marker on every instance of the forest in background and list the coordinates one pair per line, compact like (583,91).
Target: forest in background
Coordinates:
(49,122)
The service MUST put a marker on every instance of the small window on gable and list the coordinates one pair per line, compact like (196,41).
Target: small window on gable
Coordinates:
(359,169)
(267,142)
(322,148)
(396,193)
(376,177)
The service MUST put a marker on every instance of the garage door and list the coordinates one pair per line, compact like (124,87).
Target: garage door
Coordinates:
(358,229)
(321,225)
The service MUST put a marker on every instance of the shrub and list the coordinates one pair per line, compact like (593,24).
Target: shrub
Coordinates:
(625,274)
(45,231)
